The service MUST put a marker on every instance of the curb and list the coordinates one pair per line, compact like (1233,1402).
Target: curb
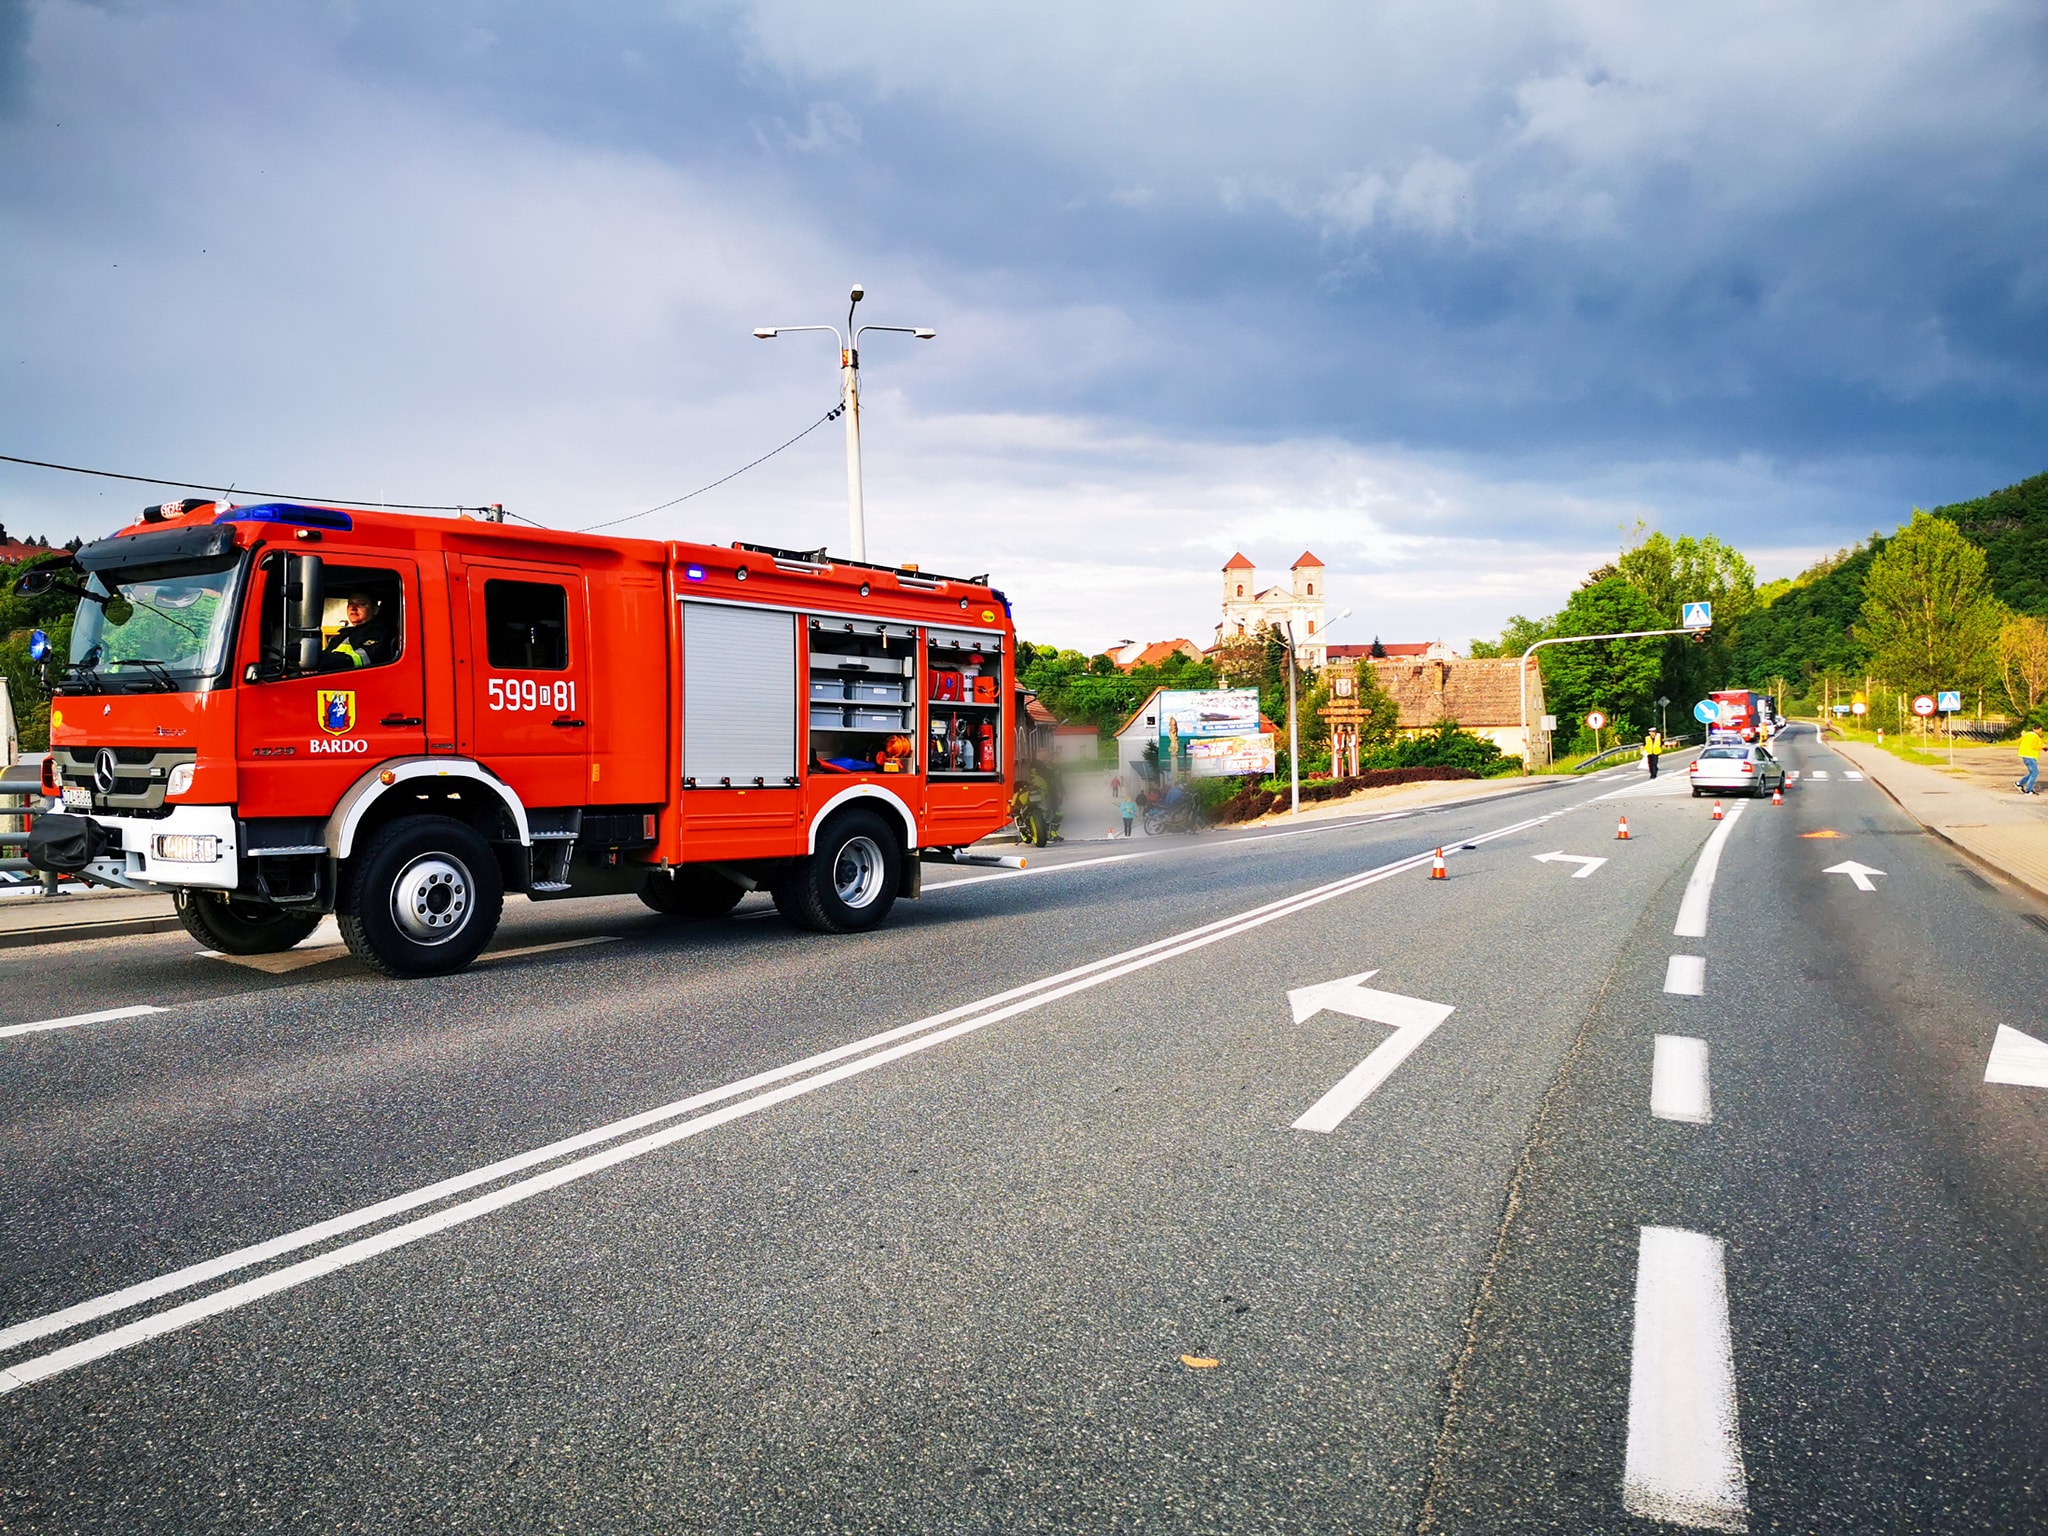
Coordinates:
(71,933)
(2017,882)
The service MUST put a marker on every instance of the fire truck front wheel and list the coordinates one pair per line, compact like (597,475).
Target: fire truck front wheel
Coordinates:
(850,883)
(237,927)
(422,898)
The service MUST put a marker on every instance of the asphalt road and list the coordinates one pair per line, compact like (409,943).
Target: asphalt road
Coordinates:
(1048,1208)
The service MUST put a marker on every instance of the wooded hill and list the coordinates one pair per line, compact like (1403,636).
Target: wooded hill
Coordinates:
(1806,631)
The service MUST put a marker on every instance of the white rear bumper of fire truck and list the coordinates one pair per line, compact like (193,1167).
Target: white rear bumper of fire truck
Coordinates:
(194,845)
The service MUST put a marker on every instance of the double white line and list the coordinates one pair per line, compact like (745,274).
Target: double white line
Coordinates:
(775,1086)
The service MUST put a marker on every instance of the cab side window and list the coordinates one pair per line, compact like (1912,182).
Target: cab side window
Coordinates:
(362,621)
(527,623)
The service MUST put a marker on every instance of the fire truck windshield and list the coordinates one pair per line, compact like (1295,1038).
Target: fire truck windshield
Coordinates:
(161,629)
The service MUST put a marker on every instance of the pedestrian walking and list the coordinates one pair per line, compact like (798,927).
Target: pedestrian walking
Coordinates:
(2030,756)
(1653,748)
(1129,811)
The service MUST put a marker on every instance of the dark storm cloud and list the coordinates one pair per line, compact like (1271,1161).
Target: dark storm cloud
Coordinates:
(1401,272)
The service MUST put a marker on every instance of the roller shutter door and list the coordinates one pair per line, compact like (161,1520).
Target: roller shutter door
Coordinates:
(739,696)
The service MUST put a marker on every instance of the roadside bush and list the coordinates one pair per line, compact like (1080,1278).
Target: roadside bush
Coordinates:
(1256,798)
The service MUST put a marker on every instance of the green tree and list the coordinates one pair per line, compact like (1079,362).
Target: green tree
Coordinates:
(1670,573)
(1929,619)
(1617,677)
(18,617)
(1517,637)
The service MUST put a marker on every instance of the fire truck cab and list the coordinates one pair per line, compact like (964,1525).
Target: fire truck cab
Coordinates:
(276,712)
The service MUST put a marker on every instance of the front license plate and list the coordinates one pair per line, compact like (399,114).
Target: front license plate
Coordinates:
(77,799)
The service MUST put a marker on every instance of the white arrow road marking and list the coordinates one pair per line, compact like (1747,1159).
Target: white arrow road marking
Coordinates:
(2018,1059)
(1570,858)
(1684,1462)
(1413,1021)
(1860,873)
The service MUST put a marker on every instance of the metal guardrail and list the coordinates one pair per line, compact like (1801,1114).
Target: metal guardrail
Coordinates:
(1631,749)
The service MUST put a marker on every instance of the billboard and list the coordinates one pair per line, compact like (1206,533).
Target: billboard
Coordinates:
(1218,757)
(1212,732)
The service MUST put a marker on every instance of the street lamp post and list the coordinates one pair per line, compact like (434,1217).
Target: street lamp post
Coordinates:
(1293,733)
(849,401)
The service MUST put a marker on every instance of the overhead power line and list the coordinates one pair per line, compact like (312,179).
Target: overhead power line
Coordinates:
(194,485)
(831,415)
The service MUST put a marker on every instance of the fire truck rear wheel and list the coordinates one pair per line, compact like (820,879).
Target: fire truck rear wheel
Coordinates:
(422,899)
(241,927)
(694,894)
(850,883)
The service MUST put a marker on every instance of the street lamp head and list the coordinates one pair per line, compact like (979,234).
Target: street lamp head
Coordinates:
(923,335)
(1344,615)
(859,292)
(764,333)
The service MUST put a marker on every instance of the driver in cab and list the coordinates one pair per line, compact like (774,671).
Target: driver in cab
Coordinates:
(364,641)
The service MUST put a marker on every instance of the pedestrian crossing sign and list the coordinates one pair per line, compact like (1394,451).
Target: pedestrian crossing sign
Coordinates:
(1949,701)
(1698,616)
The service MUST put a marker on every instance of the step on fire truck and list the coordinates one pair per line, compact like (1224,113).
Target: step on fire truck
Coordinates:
(276,712)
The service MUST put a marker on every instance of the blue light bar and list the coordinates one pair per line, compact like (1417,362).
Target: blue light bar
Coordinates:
(693,572)
(291,516)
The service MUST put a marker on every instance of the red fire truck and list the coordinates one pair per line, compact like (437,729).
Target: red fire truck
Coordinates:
(275,712)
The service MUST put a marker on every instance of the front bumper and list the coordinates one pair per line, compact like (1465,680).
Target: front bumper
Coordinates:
(139,866)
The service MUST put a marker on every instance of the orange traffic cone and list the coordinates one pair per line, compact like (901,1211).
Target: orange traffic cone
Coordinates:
(1622,835)
(1777,797)
(1436,868)
(1717,810)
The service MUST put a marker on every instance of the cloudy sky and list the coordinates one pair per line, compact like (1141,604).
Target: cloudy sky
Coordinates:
(1447,292)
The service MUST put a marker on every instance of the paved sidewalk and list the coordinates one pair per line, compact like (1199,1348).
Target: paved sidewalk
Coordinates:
(1997,826)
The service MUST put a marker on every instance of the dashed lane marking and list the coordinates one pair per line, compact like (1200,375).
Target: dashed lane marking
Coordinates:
(72,1021)
(2017,1058)
(1686,975)
(1684,1462)
(1678,1081)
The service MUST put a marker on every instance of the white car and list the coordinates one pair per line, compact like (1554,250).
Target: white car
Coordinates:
(1736,768)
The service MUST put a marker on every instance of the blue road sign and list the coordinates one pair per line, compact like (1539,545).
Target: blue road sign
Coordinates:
(1706,712)
(1698,616)
(38,645)
(1949,701)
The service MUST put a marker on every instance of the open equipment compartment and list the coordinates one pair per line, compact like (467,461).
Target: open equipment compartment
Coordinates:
(862,695)
(965,703)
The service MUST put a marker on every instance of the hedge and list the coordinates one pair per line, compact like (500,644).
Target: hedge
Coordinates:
(1255,800)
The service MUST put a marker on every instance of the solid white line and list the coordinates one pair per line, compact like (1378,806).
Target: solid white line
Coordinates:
(1699,890)
(2018,1059)
(1686,975)
(1684,1462)
(542,949)
(72,1021)
(1678,1081)
(972,1016)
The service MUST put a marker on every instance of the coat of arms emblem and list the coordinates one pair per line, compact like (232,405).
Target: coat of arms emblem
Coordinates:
(337,709)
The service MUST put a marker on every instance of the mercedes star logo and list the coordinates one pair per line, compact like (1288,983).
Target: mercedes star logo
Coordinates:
(103,771)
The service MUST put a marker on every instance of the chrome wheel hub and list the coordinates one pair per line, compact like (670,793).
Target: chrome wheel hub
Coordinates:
(857,872)
(431,897)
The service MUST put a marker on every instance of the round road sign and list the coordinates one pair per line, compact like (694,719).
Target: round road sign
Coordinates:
(1923,705)
(1706,711)
(1596,721)
(1859,708)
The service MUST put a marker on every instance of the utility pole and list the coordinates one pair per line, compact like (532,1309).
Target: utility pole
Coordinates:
(849,403)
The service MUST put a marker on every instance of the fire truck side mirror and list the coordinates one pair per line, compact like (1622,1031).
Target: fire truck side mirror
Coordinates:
(305,601)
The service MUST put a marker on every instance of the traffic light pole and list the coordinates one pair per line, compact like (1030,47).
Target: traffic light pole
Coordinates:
(1627,634)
